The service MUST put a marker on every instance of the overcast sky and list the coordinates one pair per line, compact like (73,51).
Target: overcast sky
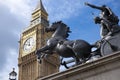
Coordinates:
(15,16)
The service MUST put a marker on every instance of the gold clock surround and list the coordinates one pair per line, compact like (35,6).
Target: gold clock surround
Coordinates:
(29,43)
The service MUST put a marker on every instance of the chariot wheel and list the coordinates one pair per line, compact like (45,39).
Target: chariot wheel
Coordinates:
(111,45)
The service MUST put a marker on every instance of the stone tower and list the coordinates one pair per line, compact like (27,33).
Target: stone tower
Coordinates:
(32,38)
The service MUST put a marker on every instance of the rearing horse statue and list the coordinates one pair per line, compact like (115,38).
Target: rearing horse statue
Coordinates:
(78,49)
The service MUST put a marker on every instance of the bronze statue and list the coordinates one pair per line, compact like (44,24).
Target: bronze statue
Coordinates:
(106,13)
(108,20)
(78,49)
(107,28)
(110,30)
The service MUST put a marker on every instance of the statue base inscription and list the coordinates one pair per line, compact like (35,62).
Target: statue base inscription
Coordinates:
(105,68)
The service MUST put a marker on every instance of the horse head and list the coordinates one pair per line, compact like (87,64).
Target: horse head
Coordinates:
(59,28)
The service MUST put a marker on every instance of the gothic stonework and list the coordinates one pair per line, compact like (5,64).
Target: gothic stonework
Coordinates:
(32,38)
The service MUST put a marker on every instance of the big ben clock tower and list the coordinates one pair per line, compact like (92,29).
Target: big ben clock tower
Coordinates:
(32,38)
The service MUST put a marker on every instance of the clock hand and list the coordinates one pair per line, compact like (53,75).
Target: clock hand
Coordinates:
(29,44)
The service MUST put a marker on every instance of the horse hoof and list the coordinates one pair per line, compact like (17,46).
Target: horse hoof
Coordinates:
(78,63)
(39,61)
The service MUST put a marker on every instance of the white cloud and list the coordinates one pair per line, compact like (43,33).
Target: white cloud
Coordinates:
(19,7)
(66,9)
(62,9)
(11,62)
(4,75)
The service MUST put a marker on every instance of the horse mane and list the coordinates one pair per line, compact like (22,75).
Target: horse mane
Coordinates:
(60,22)
(68,28)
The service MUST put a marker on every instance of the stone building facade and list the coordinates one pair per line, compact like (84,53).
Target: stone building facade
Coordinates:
(32,38)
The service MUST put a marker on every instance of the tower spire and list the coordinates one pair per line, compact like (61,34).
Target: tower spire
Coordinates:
(40,6)
(39,15)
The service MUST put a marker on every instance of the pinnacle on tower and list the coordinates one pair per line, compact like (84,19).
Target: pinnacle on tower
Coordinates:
(40,6)
(39,15)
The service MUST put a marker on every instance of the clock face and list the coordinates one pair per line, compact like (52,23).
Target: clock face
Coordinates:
(29,44)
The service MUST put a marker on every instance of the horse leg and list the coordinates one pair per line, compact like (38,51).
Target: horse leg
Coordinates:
(63,63)
(75,57)
(43,49)
(39,54)
(39,57)
(77,61)
(48,53)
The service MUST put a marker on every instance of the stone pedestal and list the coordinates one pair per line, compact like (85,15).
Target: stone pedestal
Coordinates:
(105,68)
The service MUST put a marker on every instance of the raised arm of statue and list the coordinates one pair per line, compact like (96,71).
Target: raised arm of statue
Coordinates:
(93,6)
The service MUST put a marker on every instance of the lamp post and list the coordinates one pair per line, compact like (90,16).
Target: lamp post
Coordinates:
(13,75)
